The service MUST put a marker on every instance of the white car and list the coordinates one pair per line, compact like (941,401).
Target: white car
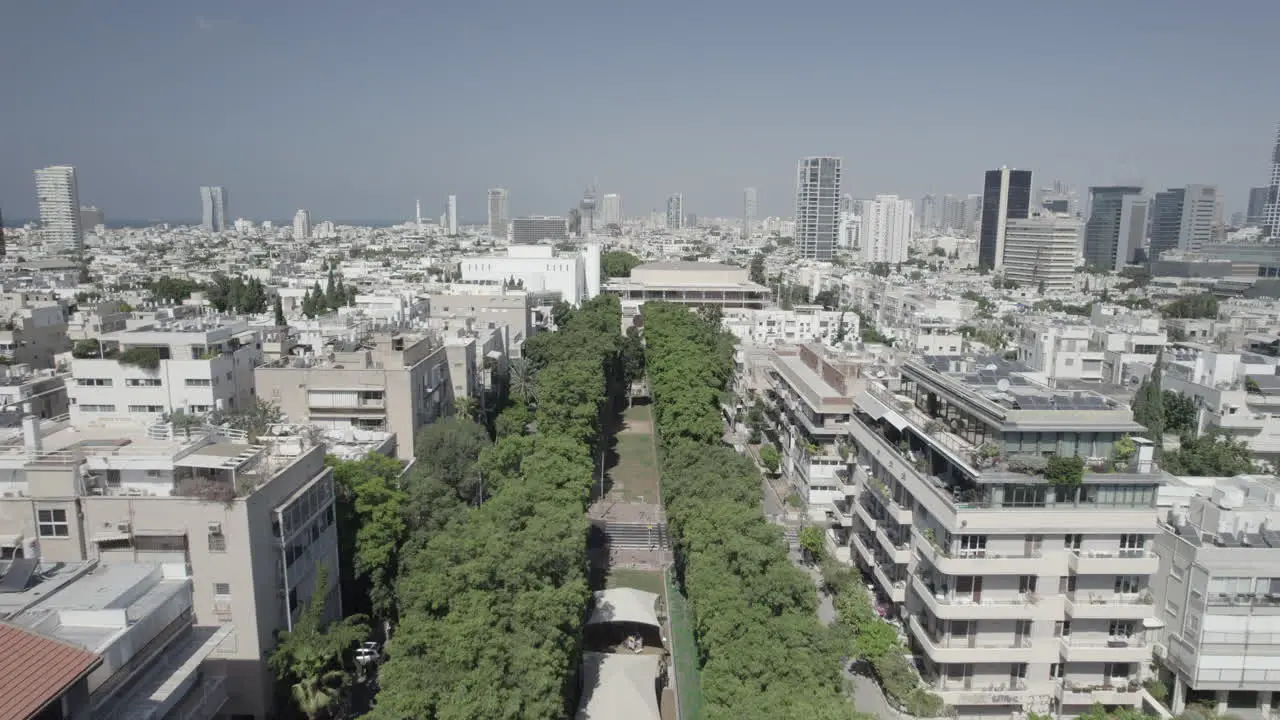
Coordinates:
(367,652)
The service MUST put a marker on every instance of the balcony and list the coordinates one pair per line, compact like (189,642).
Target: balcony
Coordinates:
(896,590)
(1109,605)
(1114,649)
(972,692)
(1113,562)
(1118,691)
(943,649)
(950,606)
(864,515)
(899,554)
(840,552)
(839,516)
(976,562)
(863,546)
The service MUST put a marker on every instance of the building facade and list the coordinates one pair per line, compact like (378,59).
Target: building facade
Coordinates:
(498,213)
(301,225)
(884,231)
(59,199)
(1117,226)
(535,229)
(1042,250)
(675,211)
(1006,195)
(750,211)
(817,207)
(213,208)
(451,215)
(1256,213)
(611,209)
(1271,210)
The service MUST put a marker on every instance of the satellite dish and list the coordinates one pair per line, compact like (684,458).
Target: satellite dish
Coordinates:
(1002,385)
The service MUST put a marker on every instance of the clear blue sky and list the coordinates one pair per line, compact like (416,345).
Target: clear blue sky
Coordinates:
(354,109)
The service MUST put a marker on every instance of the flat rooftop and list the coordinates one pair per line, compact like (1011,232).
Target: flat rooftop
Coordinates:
(1013,385)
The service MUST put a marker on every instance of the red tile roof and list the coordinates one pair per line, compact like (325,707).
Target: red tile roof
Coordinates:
(35,670)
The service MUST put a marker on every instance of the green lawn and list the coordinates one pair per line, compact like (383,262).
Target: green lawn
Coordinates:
(647,580)
(636,474)
(684,654)
(643,413)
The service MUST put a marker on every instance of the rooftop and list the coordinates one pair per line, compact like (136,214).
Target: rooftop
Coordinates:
(1011,384)
(35,670)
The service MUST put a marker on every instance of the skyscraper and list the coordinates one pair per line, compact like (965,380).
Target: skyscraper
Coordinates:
(750,207)
(952,212)
(675,211)
(1257,206)
(930,214)
(611,209)
(451,215)
(1117,225)
(817,206)
(2,246)
(847,204)
(884,232)
(301,225)
(971,212)
(498,212)
(1184,219)
(1166,221)
(91,217)
(60,206)
(1041,250)
(588,209)
(1271,212)
(213,208)
(1006,194)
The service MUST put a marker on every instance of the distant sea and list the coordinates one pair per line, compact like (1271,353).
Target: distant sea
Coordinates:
(117,224)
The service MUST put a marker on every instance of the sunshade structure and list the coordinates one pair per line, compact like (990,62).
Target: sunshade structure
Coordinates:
(625,605)
(619,686)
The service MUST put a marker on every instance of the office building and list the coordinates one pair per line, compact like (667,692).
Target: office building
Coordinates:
(884,231)
(1184,219)
(1041,251)
(611,209)
(59,200)
(91,217)
(1257,207)
(1218,588)
(1006,195)
(301,225)
(213,208)
(532,230)
(250,522)
(952,212)
(1166,221)
(945,505)
(817,206)
(929,217)
(971,213)
(1117,226)
(750,211)
(451,215)
(587,210)
(1271,211)
(498,213)
(675,211)
(1058,198)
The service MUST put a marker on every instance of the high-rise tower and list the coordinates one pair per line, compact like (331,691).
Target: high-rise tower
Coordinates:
(1271,215)
(1117,226)
(1006,194)
(498,212)
(750,208)
(675,211)
(451,215)
(611,209)
(213,208)
(60,206)
(587,209)
(817,206)
(301,225)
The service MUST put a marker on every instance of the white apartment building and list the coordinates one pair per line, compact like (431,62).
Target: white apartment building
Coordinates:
(34,332)
(1018,595)
(611,209)
(196,366)
(932,335)
(801,325)
(254,523)
(884,232)
(540,268)
(1042,249)
(488,307)
(23,391)
(1061,350)
(451,215)
(59,200)
(301,225)
(1219,588)
(849,233)
(1238,393)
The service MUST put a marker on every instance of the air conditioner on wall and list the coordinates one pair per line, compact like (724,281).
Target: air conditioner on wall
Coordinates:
(215,527)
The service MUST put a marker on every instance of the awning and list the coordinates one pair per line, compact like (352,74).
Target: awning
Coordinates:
(625,605)
(619,687)
(110,537)
(868,404)
(1152,623)
(894,419)
(11,540)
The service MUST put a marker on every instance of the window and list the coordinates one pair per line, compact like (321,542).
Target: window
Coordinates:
(217,542)
(1116,671)
(1128,584)
(1176,572)
(1027,584)
(1121,629)
(198,382)
(53,523)
(1062,628)
(1055,671)
(1132,542)
(1072,542)
(143,382)
(97,408)
(146,408)
(93,382)
(201,408)
(1230,586)
(222,588)
(1171,608)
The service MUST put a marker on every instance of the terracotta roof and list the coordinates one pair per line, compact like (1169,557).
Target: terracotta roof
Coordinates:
(35,670)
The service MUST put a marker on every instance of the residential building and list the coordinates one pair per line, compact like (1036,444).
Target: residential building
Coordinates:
(1238,393)
(253,522)
(1218,589)
(301,225)
(1041,251)
(136,622)
(1061,350)
(849,231)
(539,269)
(971,214)
(91,217)
(59,200)
(1117,226)
(451,215)
(194,366)
(43,678)
(675,211)
(1006,195)
(213,208)
(535,229)
(24,391)
(1271,211)
(817,205)
(884,232)
(486,307)
(802,325)
(611,209)
(1018,595)
(1257,206)
(750,211)
(692,283)
(389,382)
(35,331)
(930,214)
(498,213)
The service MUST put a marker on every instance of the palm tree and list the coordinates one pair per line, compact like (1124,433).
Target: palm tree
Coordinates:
(520,377)
(315,695)
(465,407)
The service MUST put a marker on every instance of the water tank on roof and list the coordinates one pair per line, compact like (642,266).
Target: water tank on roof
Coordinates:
(1227,498)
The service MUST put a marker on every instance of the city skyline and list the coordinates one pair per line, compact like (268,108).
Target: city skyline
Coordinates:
(138,64)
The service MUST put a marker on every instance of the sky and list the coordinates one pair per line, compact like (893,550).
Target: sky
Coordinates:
(355,109)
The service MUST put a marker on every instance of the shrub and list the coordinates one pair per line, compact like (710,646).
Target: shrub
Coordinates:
(1064,470)
(145,358)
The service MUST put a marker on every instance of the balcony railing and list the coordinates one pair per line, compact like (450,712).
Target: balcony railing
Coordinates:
(930,427)
(1244,599)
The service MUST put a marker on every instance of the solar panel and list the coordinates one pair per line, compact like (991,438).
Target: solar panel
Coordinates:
(18,575)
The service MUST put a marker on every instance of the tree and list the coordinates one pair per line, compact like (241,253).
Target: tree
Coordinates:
(312,656)
(770,458)
(278,310)
(253,420)
(466,407)
(1204,305)
(1148,405)
(520,380)
(1213,454)
(1181,415)
(814,543)
(560,313)
(617,263)
(371,528)
(444,477)
(756,270)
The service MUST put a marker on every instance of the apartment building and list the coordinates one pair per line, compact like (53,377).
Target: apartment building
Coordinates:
(391,381)
(253,523)
(93,321)
(1061,350)
(131,625)
(196,366)
(42,393)
(486,307)
(801,325)
(32,333)
(1218,590)
(1238,393)
(1018,595)
(932,335)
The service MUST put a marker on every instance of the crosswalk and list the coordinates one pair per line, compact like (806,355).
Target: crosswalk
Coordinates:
(635,536)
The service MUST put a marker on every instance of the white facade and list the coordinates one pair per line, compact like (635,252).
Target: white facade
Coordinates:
(675,211)
(817,206)
(750,210)
(301,225)
(611,209)
(498,216)
(1061,351)
(451,215)
(540,267)
(850,232)
(59,199)
(801,326)
(213,208)
(885,231)
(1042,249)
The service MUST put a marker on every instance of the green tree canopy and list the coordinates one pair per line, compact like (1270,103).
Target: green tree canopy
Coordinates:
(617,263)
(371,528)
(1213,454)
(1204,305)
